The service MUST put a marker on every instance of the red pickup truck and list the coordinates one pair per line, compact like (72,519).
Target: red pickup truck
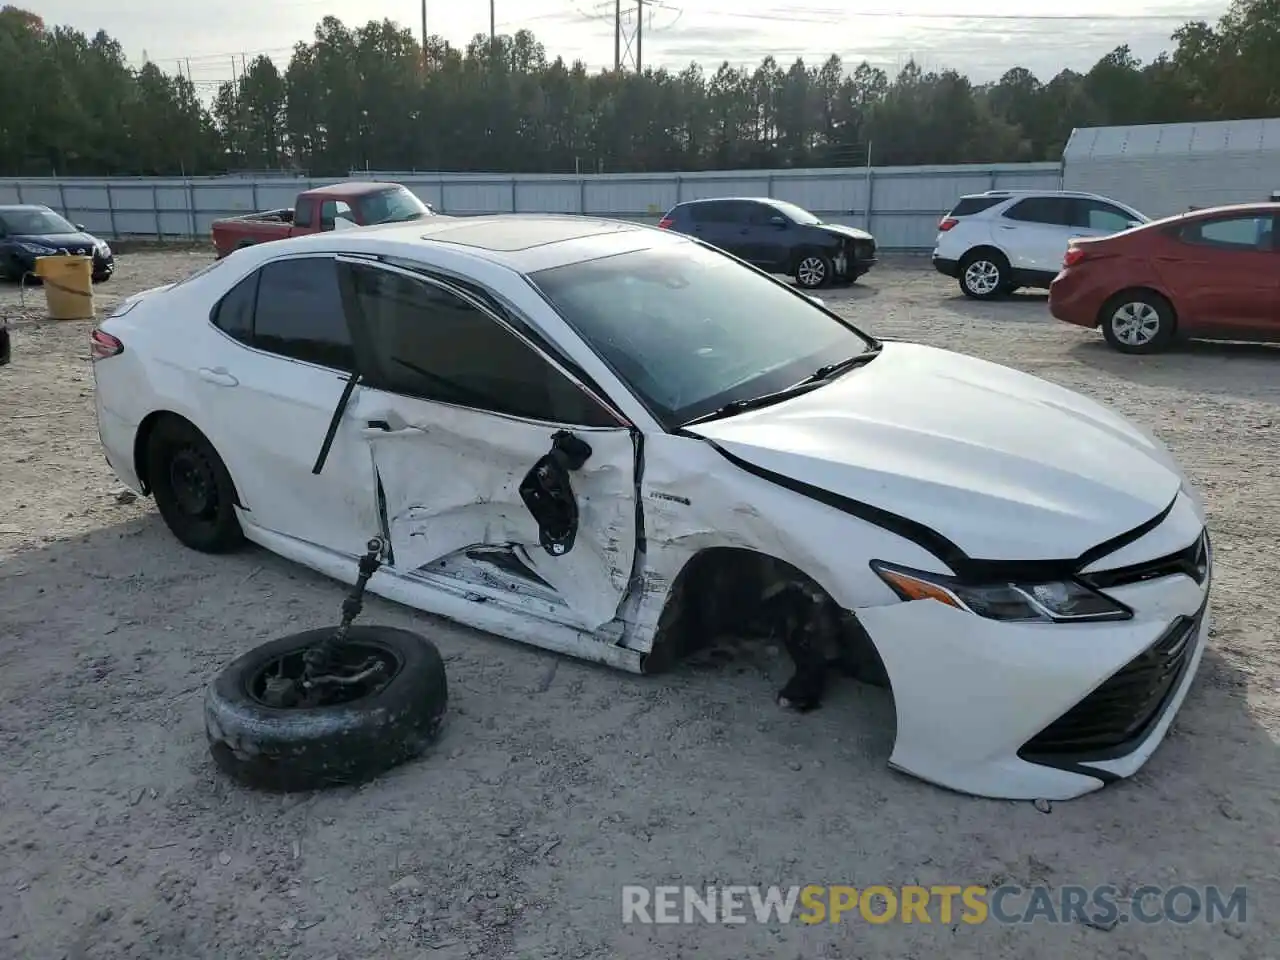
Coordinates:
(355,204)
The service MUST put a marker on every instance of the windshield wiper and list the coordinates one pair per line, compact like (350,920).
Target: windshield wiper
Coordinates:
(841,366)
(811,382)
(751,403)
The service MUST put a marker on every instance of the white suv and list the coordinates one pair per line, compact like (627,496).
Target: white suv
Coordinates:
(998,241)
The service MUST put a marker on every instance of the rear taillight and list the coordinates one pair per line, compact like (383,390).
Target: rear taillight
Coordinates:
(665,223)
(946,223)
(1074,255)
(103,345)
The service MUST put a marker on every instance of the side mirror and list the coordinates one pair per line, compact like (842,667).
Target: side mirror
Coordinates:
(1129,225)
(78,226)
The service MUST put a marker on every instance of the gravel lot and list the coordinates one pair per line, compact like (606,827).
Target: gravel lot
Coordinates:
(558,782)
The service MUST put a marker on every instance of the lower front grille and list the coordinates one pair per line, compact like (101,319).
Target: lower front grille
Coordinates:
(1122,711)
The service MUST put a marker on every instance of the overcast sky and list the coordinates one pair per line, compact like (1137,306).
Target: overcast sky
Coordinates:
(885,32)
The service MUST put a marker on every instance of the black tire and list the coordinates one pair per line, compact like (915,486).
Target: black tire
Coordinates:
(285,750)
(202,517)
(101,278)
(1138,321)
(6,345)
(983,274)
(813,270)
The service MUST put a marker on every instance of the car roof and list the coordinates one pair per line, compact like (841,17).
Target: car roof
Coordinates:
(351,188)
(523,242)
(1198,213)
(23,207)
(770,201)
(1010,194)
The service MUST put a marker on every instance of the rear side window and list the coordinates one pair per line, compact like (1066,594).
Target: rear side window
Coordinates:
(716,211)
(299,313)
(1050,210)
(302,212)
(234,313)
(968,206)
(1232,233)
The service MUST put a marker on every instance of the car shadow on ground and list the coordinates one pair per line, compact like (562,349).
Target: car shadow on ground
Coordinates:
(1222,368)
(552,774)
(1023,306)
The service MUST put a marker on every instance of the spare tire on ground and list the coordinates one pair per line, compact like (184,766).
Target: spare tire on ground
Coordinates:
(366,729)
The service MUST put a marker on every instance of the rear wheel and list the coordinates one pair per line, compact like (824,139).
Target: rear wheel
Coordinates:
(984,274)
(192,488)
(1138,322)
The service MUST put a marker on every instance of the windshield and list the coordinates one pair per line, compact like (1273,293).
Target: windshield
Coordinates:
(690,329)
(394,205)
(19,223)
(798,214)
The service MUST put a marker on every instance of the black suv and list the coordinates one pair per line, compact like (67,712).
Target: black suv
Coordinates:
(778,237)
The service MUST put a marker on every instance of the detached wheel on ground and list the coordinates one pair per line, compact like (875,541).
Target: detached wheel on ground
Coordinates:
(353,733)
(984,275)
(813,270)
(1138,322)
(192,488)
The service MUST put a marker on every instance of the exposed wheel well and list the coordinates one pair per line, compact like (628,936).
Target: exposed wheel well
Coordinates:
(725,589)
(1112,301)
(143,437)
(995,253)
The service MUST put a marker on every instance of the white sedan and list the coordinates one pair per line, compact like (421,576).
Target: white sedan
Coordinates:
(598,438)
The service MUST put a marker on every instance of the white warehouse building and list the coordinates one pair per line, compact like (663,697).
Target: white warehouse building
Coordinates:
(1167,168)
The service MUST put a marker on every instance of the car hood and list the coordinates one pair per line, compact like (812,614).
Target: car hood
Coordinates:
(1003,464)
(840,230)
(59,241)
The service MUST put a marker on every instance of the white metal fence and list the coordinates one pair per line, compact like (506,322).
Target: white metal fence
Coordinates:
(899,205)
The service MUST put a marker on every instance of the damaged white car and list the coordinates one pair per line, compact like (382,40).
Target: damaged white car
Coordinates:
(613,441)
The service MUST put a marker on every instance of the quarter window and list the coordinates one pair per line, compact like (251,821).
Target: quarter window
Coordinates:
(428,342)
(299,313)
(717,211)
(234,313)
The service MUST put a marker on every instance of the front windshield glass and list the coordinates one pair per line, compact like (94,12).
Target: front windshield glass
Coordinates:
(19,223)
(798,214)
(395,205)
(691,329)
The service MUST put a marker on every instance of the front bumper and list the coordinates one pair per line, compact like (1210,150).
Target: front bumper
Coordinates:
(24,263)
(1044,711)
(855,259)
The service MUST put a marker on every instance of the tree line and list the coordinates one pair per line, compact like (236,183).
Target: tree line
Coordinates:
(374,97)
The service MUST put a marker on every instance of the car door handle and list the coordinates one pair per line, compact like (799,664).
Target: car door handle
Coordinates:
(219,376)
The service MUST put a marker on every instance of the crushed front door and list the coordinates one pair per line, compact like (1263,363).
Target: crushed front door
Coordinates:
(562,499)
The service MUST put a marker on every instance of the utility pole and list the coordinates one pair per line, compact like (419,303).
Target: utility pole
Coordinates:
(617,35)
(424,26)
(493,32)
(639,34)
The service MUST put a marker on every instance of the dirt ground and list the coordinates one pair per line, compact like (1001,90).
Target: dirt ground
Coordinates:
(557,782)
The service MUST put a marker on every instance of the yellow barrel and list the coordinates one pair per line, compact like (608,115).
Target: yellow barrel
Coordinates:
(68,286)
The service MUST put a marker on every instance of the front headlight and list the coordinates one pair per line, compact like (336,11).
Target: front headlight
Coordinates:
(38,248)
(1061,601)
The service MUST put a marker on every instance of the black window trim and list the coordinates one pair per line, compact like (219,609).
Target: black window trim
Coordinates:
(475,302)
(256,272)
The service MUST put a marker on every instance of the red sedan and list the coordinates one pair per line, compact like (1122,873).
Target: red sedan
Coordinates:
(1212,274)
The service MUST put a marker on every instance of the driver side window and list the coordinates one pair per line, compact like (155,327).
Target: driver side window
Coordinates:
(428,342)
(331,210)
